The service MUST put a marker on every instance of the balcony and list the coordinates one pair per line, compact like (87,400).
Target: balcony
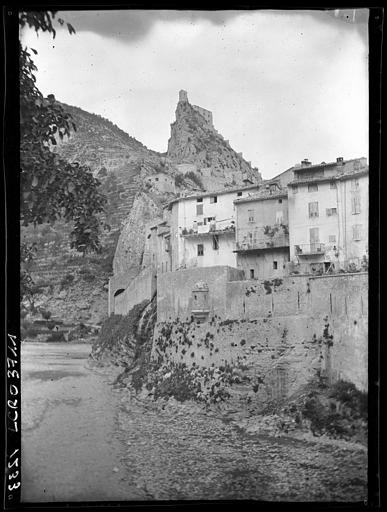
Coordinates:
(263,244)
(208,230)
(309,249)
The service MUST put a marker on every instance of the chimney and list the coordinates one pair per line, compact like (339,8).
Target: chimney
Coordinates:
(305,162)
(340,160)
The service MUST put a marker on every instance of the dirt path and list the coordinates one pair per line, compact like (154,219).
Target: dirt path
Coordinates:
(70,451)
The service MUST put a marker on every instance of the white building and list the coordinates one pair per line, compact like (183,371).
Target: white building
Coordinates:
(328,215)
(203,228)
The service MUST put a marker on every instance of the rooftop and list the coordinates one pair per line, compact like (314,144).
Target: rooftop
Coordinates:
(263,195)
(345,175)
(226,190)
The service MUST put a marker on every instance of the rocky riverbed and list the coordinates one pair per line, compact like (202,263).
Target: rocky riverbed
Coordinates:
(181,451)
(86,438)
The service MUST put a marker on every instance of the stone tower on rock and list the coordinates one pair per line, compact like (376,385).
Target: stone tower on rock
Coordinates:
(196,145)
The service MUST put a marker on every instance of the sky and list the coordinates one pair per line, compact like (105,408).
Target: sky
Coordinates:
(282,85)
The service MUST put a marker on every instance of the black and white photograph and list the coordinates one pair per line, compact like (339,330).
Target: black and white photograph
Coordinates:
(194,256)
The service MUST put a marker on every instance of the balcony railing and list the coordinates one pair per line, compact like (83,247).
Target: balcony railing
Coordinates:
(209,229)
(262,244)
(309,249)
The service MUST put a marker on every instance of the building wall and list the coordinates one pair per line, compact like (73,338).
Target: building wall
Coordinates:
(353,249)
(300,223)
(183,216)
(141,288)
(265,214)
(285,177)
(164,257)
(224,255)
(174,290)
(162,182)
(298,326)
(119,282)
(342,248)
(266,264)
(205,113)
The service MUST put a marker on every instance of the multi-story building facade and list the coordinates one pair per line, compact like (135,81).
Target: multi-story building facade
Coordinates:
(158,247)
(262,235)
(328,215)
(203,228)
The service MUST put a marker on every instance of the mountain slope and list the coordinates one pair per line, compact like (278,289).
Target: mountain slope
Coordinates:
(124,166)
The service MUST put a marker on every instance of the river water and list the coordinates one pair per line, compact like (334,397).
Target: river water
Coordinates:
(70,450)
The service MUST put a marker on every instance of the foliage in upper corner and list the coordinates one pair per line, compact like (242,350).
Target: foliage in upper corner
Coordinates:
(51,188)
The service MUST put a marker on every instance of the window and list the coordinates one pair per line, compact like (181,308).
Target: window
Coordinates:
(239,194)
(251,215)
(199,209)
(213,199)
(331,211)
(354,184)
(314,238)
(251,273)
(215,243)
(313,209)
(279,217)
(356,231)
(332,239)
(355,204)
(200,250)
(333,185)
(312,187)
(295,189)
(199,200)
(275,265)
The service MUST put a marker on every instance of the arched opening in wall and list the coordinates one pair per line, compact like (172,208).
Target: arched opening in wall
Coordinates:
(118,292)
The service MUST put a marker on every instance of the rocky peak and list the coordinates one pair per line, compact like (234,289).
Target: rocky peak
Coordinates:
(197,146)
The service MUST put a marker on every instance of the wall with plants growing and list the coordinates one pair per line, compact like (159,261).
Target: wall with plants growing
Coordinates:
(283,330)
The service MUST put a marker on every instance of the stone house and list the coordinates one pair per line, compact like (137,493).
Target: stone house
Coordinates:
(163,182)
(328,215)
(203,228)
(262,232)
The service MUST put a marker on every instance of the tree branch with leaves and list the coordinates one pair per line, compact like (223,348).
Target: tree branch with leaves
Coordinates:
(50,187)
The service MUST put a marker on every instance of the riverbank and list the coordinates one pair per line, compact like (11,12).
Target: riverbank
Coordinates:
(86,437)
(70,446)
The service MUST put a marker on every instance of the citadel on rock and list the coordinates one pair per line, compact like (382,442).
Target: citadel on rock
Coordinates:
(304,230)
